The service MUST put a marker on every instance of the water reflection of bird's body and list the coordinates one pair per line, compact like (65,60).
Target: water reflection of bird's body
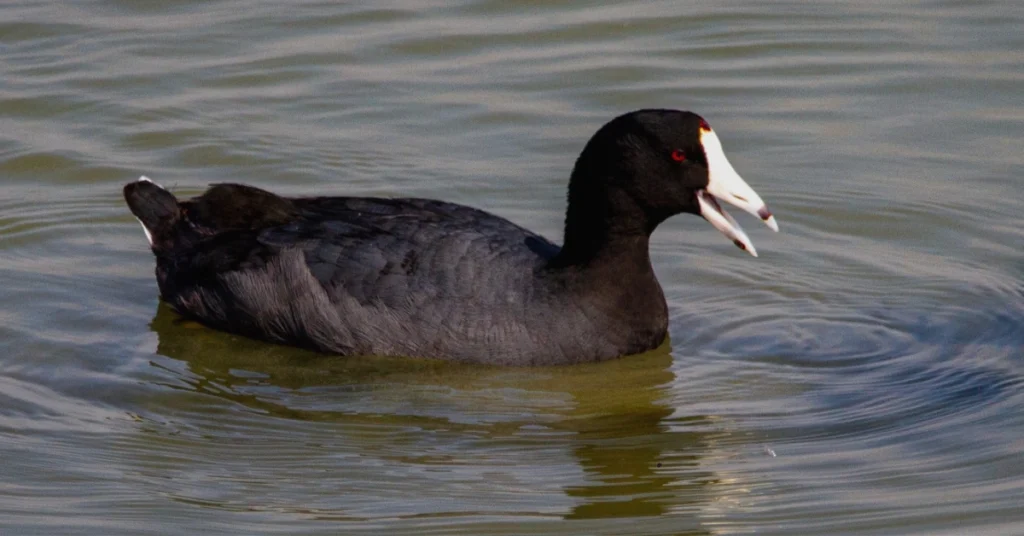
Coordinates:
(597,441)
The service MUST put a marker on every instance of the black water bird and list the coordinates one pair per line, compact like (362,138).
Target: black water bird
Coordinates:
(420,277)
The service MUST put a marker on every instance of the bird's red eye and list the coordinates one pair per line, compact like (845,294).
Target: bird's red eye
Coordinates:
(678,155)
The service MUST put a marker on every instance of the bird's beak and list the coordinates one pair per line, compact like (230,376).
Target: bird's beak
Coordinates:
(724,184)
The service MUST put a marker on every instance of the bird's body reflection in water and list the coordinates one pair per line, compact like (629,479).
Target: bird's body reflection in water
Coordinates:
(371,438)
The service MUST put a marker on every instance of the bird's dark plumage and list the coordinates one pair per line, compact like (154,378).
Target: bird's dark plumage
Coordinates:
(427,278)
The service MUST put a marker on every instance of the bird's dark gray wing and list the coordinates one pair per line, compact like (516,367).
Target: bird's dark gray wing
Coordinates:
(407,252)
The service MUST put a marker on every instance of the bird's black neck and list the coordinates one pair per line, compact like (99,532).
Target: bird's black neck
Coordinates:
(605,263)
(603,223)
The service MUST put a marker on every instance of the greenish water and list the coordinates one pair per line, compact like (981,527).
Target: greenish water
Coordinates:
(863,376)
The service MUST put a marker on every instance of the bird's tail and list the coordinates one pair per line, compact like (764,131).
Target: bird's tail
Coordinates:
(156,209)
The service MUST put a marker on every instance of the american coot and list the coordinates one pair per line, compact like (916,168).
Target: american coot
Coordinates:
(419,277)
